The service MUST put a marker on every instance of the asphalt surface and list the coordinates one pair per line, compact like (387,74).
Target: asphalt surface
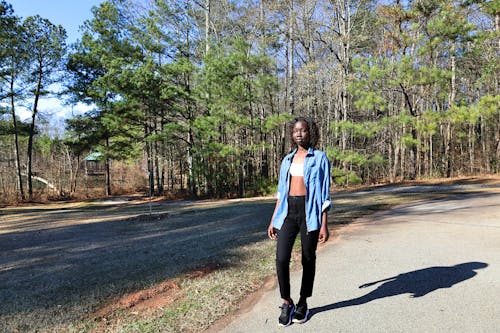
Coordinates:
(428,266)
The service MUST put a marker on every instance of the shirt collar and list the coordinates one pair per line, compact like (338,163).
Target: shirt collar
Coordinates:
(310,151)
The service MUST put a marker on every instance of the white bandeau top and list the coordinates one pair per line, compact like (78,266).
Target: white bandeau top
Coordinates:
(297,169)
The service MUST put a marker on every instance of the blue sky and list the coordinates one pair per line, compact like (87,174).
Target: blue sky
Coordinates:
(70,14)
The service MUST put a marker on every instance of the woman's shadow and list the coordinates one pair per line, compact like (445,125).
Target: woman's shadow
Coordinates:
(417,283)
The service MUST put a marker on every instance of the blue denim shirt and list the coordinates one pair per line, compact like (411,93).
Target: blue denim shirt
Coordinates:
(317,181)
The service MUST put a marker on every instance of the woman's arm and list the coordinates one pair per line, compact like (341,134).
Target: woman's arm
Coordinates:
(324,234)
(271,231)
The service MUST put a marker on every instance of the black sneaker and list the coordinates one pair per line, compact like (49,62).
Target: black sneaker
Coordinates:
(286,314)
(301,313)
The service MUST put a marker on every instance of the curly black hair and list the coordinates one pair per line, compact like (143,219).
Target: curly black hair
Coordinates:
(311,127)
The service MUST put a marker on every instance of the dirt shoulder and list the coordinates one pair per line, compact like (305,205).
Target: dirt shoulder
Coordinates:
(128,264)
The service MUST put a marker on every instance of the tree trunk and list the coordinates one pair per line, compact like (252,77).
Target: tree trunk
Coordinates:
(29,171)
(16,141)
(431,145)
(471,148)
(108,171)
(452,103)
(290,69)
(447,153)
(497,140)
(207,26)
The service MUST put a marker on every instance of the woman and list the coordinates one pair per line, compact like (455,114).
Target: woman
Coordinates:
(303,201)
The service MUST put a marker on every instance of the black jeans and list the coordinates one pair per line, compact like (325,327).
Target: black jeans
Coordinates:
(295,222)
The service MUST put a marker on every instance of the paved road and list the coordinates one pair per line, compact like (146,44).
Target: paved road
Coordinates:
(429,266)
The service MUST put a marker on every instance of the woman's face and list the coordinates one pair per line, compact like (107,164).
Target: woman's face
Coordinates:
(300,134)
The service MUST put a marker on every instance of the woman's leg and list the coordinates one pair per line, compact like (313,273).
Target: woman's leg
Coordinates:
(309,242)
(286,239)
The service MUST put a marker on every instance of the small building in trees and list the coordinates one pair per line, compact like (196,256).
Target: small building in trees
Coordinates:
(94,164)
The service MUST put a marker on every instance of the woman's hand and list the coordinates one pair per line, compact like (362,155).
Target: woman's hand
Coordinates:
(324,234)
(272,232)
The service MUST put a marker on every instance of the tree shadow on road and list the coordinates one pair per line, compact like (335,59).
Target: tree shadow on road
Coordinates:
(60,272)
(417,283)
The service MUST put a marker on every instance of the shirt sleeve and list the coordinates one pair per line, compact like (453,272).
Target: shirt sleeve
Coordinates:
(281,181)
(325,186)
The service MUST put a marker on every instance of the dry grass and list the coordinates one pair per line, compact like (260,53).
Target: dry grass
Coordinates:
(69,267)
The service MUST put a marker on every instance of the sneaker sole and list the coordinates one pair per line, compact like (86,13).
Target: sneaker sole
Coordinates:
(289,320)
(301,321)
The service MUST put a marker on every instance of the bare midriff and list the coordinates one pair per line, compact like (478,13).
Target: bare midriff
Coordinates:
(297,186)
